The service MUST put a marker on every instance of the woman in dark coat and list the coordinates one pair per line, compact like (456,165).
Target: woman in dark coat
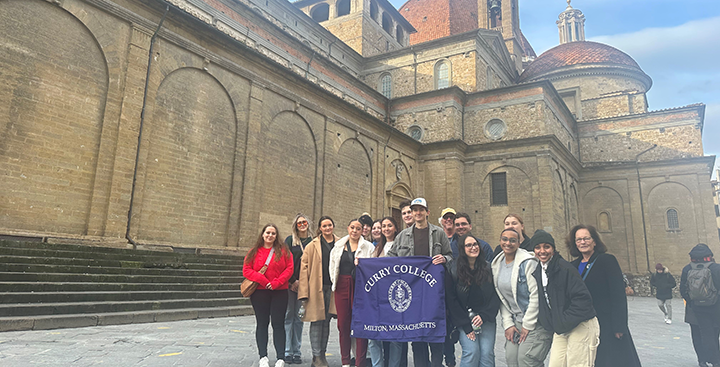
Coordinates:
(603,278)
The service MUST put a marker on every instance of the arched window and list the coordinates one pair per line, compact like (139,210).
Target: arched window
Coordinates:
(373,11)
(320,12)
(442,75)
(387,23)
(343,7)
(386,85)
(399,34)
(672,219)
(604,224)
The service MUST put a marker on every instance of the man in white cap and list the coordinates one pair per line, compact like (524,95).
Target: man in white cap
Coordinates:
(423,239)
(447,221)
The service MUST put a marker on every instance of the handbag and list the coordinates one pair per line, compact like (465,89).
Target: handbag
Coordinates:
(248,287)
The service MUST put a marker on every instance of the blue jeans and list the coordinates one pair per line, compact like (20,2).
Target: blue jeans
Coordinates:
(480,352)
(293,326)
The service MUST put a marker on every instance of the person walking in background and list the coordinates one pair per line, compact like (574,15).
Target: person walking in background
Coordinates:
(315,289)
(527,343)
(604,279)
(565,306)
(699,284)
(423,239)
(301,235)
(269,301)
(472,304)
(343,259)
(664,283)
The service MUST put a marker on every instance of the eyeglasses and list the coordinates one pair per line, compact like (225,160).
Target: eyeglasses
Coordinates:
(302,223)
(510,240)
(586,239)
(471,245)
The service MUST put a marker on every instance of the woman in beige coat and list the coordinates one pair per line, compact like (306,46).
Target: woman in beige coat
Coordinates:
(315,289)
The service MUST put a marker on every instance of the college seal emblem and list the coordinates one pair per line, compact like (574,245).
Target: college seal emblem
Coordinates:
(399,295)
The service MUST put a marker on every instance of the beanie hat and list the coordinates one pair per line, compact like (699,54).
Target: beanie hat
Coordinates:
(700,251)
(659,266)
(541,236)
(365,220)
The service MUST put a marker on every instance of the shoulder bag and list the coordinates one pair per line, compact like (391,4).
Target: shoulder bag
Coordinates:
(248,287)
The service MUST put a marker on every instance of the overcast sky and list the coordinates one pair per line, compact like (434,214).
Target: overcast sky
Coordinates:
(676,42)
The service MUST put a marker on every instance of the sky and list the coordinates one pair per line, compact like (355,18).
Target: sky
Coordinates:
(677,43)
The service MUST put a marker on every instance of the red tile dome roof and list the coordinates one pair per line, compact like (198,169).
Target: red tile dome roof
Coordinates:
(577,53)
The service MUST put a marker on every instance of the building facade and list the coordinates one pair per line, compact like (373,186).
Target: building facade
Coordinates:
(192,123)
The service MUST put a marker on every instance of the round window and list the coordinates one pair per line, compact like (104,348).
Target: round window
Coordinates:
(415,132)
(495,129)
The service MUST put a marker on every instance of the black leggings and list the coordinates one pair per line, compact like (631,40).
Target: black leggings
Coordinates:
(270,305)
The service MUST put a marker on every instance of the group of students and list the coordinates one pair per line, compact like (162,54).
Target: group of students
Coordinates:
(576,311)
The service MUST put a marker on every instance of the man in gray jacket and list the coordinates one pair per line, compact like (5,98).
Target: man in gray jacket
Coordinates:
(423,239)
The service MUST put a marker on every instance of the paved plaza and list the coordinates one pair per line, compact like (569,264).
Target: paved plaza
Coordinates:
(231,342)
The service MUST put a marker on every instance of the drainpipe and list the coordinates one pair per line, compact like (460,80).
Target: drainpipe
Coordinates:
(140,128)
(642,206)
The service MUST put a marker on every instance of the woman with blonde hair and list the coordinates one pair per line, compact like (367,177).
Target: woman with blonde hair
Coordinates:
(270,299)
(301,235)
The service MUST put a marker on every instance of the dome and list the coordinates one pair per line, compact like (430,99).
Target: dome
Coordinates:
(578,54)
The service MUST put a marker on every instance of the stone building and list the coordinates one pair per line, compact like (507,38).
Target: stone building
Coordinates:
(191,123)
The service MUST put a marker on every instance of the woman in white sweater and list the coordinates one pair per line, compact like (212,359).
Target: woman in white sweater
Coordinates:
(527,343)
(343,259)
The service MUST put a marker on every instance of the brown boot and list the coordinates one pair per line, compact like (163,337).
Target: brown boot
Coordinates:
(315,361)
(323,361)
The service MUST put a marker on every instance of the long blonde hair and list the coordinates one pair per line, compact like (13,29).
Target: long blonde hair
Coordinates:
(295,235)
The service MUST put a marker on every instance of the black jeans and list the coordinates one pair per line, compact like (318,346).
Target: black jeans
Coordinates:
(270,305)
(424,359)
(706,343)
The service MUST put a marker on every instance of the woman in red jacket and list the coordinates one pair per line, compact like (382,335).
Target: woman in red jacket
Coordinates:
(271,297)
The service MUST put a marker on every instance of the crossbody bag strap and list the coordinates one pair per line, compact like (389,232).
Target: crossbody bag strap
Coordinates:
(587,269)
(267,261)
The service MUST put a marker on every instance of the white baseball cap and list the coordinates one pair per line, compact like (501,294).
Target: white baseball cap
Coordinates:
(419,201)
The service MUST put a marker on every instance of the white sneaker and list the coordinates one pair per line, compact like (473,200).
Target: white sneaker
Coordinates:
(346,365)
(668,321)
(264,362)
(280,363)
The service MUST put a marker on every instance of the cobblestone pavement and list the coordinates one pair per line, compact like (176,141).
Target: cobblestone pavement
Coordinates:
(231,342)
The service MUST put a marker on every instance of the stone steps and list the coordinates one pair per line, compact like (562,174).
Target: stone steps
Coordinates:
(45,286)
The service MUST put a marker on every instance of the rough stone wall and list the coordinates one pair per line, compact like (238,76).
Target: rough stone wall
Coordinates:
(190,145)
(676,133)
(437,124)
(230,140)
(523,194)
(349,29)
(53,97)
(614,190)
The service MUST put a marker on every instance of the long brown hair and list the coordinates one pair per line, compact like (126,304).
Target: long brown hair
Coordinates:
(383,240)
(277,245)
(572,247)
(480,273)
